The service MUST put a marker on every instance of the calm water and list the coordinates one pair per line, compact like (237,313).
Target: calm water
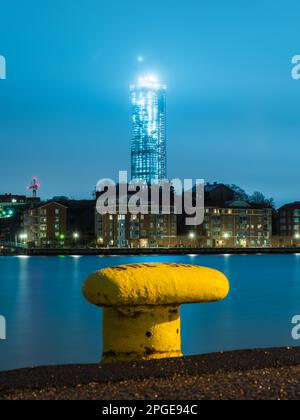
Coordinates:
(49,322)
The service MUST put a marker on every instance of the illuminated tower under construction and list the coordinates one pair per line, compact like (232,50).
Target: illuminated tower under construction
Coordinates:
(148,147)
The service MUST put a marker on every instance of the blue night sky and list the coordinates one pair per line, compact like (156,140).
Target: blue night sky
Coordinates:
(233,108)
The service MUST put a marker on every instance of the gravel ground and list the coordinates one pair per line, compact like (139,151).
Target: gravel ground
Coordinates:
(253,374)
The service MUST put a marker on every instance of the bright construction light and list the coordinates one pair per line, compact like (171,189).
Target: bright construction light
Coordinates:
(153,79)
(297,236)
(148,80)
(192,235)
(76,235)
(226,235)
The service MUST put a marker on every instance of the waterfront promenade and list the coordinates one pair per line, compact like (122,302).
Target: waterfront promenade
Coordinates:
(36,252)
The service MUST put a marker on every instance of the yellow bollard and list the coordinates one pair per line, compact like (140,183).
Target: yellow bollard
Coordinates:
(141,317)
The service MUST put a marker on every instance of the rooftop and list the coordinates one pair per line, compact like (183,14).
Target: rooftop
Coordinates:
(149,81)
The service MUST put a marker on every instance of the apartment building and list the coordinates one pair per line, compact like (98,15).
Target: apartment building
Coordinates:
(136,231)
(57,223)
(12,208)
(237,224)
(229,222)
(288,224)
(45,225)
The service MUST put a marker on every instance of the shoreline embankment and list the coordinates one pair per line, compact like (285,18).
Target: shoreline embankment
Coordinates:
(145,251)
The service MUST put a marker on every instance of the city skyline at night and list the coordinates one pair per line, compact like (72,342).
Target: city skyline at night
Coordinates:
(65,113)
(149,203)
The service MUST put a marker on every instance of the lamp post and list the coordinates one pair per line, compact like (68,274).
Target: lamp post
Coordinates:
(23,238)
(226,236)
(75,237)
(192,236)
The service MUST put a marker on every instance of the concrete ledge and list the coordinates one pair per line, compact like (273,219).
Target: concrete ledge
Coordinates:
(252,374)
(148,251)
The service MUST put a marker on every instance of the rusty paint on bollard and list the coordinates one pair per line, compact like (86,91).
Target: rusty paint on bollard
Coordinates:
(141,318)
(141,333)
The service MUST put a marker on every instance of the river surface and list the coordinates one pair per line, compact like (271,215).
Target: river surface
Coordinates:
(49,322)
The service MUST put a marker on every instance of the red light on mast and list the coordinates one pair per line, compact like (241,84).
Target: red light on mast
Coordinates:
(34,186)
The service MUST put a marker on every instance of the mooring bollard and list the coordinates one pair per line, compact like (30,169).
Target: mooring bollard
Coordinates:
(141,317)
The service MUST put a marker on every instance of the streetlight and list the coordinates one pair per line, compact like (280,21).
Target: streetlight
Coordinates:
(23,237)
(192,236)
(295,239)
(75,237)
